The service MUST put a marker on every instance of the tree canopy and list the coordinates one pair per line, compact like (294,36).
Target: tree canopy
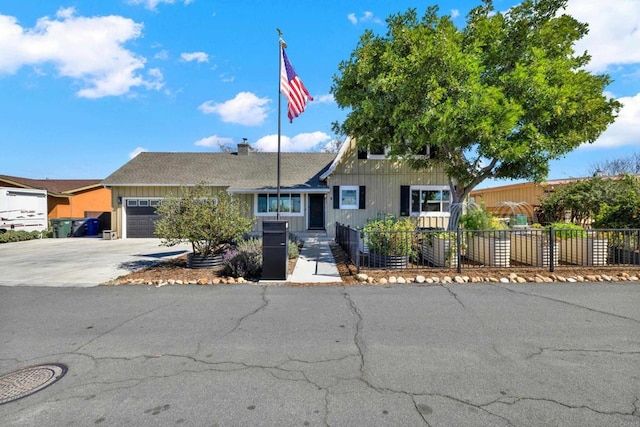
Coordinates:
(498,98)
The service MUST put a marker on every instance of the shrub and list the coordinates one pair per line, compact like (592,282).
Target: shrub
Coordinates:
(566,230)
(480,219)
(210,222)
(388,235)
(242,263)
(19,236)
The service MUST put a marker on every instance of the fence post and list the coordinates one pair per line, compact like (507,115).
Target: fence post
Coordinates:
(358,251)
(458,251)
(552,241)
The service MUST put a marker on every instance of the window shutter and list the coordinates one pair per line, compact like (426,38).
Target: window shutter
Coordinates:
(336,197)
(405,194)
(362,204)
(362,154)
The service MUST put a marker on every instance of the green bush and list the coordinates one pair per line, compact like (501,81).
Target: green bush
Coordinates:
(567,230)
(19,236)
(480,219)
(388,235)
(209,221)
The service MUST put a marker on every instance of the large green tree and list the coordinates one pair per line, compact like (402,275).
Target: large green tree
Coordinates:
(498,98)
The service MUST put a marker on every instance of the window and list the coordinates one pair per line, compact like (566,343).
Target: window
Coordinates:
(132,203)
(429,200)
(290,204)
(143,203)
(154,203)
(349,197)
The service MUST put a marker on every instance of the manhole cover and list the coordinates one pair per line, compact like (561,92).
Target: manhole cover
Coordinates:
(26,381)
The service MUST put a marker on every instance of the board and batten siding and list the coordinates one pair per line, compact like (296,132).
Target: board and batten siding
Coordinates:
(382,179)
(296,224)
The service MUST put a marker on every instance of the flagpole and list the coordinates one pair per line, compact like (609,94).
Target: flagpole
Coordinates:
(279,126)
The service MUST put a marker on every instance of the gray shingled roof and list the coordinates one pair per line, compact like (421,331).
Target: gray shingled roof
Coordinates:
(256,170)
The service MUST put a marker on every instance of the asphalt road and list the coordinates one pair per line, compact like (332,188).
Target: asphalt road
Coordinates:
(247,355)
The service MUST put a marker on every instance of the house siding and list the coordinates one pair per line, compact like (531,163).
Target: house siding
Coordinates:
(297,224)
(382,180)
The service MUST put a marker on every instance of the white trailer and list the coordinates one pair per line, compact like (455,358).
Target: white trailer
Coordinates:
(23,209)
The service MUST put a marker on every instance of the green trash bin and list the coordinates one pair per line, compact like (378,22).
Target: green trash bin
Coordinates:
(61,227)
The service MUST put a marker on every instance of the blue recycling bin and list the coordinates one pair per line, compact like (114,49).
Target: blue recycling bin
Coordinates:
(93,226)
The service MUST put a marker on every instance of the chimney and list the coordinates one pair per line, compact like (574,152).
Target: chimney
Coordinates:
(243,147)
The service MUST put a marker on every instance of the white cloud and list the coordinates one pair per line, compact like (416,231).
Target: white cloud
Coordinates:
(365,17)
(455,13)
(625,130)
(227,78)
(137,151)
(195,56)
(152,4)
(214,141)
(324,99)
(245,109)
(613,31)
(88,50)
(163,55)
(303,142)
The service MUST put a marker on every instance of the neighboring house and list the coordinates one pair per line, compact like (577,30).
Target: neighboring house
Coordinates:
(497,199)
(317,189)
(69,198)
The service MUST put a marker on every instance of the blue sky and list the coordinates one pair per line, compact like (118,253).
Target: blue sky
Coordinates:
(86,85)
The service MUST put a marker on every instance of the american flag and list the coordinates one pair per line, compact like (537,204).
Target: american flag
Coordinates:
(292,88)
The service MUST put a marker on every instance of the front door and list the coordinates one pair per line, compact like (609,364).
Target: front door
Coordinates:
(316,211)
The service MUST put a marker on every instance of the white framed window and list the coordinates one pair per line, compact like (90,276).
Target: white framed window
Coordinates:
(349,197)
(132,203)
(266,204)
(430,200)
(377,151)
(154,203)
(143,203)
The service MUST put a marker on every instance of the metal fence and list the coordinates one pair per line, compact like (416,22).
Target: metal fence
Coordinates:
(518,248)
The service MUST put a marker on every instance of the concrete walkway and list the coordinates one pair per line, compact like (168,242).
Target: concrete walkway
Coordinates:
(315,263)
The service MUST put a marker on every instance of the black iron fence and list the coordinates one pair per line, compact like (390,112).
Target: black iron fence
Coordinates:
(531,247)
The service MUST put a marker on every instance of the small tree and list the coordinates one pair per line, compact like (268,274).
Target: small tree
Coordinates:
(209,221)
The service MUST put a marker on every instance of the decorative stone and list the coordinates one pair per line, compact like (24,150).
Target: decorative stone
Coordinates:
(215,281)
(513,276)
(493,279)
(231,280)
(435,279)
(361,277)
(420,279)
(171,281)
(393,279)
(383,281)
(571,280)
(447,279)
(521,279)
(370,280)
(561,278)
(428,280)
(179,282)
(401,280)
(458,279)
(202,281)
(505,280)
(591,278)
(605,277)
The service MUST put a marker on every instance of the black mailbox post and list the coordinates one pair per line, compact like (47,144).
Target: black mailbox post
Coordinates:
(275,250)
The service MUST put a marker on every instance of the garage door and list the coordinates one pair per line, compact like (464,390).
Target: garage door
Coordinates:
(140,222)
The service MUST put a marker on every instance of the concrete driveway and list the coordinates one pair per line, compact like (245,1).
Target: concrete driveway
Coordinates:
(78,262)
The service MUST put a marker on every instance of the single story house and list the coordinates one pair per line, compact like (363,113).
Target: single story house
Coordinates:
(69,198)
(317,189)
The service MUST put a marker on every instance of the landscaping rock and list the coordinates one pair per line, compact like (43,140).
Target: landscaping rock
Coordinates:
(361,277)
(420,279)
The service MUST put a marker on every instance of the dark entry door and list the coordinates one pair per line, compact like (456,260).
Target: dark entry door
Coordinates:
(316,211)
